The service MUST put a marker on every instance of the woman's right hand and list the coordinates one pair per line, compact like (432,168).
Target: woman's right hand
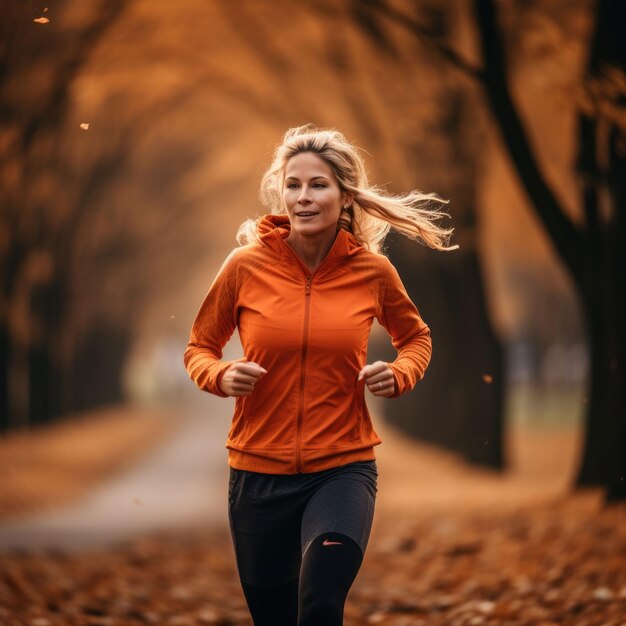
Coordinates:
(240,377)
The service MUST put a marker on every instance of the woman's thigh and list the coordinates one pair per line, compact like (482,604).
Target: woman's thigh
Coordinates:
(265,515)
(342,501)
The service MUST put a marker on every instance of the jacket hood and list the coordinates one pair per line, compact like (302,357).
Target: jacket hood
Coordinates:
(273,229)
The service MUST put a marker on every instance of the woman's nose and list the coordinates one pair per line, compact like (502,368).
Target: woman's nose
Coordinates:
(304,196)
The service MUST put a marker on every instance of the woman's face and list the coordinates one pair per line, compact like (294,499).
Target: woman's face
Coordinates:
(311,195)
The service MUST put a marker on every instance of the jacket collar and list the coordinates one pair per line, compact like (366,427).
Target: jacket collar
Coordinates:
(273,229)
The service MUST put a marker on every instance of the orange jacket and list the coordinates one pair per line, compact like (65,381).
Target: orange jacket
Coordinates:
(310,332)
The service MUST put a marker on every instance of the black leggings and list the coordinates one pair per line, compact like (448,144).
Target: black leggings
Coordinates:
(300,539)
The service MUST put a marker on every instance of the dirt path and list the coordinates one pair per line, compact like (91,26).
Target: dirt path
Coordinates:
(181,484)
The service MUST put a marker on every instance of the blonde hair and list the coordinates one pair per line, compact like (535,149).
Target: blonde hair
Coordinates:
(372,212)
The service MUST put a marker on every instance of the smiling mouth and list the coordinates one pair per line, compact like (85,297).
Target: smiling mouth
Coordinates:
(306,214)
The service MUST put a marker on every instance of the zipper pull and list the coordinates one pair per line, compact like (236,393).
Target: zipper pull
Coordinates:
(307,289)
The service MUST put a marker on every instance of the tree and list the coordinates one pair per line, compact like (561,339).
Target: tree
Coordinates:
(600,267)
(69,307)
(38,64)
(592,252)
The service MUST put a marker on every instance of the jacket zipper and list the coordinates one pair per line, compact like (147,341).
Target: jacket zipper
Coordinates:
(307,305)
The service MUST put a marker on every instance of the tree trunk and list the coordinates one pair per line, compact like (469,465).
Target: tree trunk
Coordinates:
(9,268)
(594,254)
(5,422)
(458,405)
(604,454)
(98,366)
(603,280)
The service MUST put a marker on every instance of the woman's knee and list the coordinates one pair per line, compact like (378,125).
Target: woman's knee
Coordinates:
(329,568)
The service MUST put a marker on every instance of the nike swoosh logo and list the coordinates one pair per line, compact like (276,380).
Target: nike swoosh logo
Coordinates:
(331,543)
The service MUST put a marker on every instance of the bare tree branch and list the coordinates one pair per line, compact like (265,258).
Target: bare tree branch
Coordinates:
(565,235)
(492,76)
(429,36)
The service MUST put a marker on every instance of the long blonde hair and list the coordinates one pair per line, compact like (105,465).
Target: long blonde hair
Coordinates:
(372,212)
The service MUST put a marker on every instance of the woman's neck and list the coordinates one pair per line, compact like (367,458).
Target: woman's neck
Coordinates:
(312,250)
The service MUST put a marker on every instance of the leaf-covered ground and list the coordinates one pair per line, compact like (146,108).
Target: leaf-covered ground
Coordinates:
(551,565)
(450,545)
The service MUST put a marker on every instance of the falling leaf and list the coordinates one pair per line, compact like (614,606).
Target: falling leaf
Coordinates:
(84,126)
(488,378)
(41,20)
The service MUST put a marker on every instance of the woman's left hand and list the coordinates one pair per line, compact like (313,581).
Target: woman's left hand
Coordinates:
(379,378)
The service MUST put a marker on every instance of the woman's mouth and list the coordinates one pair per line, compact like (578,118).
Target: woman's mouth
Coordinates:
(306,214)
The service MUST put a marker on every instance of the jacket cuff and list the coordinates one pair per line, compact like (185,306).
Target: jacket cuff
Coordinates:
(396,386)
(218,380)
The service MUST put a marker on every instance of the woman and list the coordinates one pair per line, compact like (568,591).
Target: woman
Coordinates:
(303,289)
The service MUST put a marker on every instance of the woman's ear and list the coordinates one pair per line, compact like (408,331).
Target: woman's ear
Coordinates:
(348,199)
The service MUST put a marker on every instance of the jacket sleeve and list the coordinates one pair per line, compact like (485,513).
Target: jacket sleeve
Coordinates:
(410,335)
(212,328)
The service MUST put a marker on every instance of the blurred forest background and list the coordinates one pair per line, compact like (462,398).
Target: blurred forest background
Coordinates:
(133,136)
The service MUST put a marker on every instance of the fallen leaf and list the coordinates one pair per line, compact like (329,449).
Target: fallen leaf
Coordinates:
(602,593)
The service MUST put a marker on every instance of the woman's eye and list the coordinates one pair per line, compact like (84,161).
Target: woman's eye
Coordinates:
(294,185)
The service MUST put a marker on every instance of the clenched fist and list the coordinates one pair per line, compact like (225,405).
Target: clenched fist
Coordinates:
(379,378)
(239,379)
